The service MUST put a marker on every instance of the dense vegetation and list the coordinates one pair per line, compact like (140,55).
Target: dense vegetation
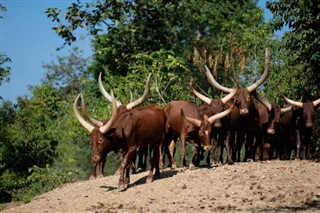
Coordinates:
(43,146)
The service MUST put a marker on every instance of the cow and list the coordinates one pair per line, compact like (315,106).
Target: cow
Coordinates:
(99,161)
(268,134)
(126,133)
(246,117)
(220,132)
(143,152)
(183,120)
(304,122)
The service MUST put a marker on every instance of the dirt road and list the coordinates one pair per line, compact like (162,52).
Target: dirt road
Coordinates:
(271,186)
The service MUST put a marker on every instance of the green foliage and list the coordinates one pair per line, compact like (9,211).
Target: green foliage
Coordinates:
(68,73)
(301,45)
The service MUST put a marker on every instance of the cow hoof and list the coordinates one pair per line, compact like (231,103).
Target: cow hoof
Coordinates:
(249,160)
(92,177)
(191,166)
(230,162)
(181,169)
(149,180)
(139,170)
(214,164)
(122,188)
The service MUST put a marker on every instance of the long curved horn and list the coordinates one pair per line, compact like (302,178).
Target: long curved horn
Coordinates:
(220,115)
(87,116)
(228,97)
(144,96)
(113,118)
(285,109)
(84,123)
(262,99)
(104,92)
(292,102)
(316,102)
(264,75)
(203,98)
(214,83)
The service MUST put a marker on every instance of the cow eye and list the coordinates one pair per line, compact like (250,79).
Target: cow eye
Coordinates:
(201,133)
(100,140)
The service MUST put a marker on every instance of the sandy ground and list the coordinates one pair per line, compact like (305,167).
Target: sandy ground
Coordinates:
(270,186)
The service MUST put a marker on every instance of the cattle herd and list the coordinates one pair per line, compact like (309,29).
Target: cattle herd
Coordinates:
(242,117)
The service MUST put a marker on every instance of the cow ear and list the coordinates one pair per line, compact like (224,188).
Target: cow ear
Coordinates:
(110,132)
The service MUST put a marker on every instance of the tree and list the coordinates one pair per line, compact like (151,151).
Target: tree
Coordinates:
(301,44)
(69,74)
(128,28)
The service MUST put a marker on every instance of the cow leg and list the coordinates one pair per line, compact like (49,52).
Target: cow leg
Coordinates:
(171,154)
(154,164)
(195,151)
(249,147)
(182,151)
(239,142)
(142,159)
(100,169)
(298,144)
(94,171)
(221,145)
(227,146)
(124,171)
(214,154)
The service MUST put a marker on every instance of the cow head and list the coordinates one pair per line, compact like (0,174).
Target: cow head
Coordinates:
(274,122)
(244,97)
(274,113)
(308,109)
(98,134)
(216,105)
(204,126)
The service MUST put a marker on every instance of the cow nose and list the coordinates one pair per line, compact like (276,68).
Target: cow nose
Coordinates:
(309,124)
(96,158)
(207,147)
(217,124)
(270,131)
(244,111)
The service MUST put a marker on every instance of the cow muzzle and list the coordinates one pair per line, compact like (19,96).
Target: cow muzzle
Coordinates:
(217,124)
(309,124)
(244,111)
(270,131)
(207,147)
(96,158)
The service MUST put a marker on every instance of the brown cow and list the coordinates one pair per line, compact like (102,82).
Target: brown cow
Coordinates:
(99,161)
(184,121)
(303,124)
(220,132)
(247,121)
(126,133)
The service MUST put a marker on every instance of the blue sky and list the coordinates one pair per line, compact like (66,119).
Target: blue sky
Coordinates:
(27,38)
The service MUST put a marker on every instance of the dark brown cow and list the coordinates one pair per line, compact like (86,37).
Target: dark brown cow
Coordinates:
(126,133)
(220,132)
(247,121)
(269,119)
(303,125)
(184,121)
